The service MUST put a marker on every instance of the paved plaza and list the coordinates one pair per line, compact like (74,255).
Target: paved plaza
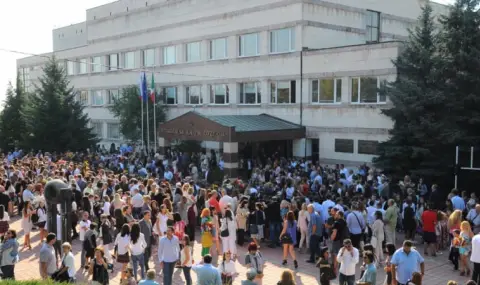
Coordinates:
(438,270)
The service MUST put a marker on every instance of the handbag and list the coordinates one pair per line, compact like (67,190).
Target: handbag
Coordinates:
(286,239)
(225,232)
(253,229)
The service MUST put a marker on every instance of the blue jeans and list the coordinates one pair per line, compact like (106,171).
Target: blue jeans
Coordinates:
(168,268)
(186,273)
(346,280)
(275,228)
(315,247)
(138,260)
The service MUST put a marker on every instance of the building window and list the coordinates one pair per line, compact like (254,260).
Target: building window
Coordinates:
(97,98)
(129,58)
(149,57)
(219,94)
(283,92)
(344,145)
(250,93)
(248,45)
(218,48)
(327,91)
(70,67)
(365,90)
(82,68)
(282,40)
(113,61)
(169,95)
(83,98)
(113,131)
(112,95)
(193,52)
(169,55)
(194,94)
(96,64)
(97,128)
(367,147)
(373,26)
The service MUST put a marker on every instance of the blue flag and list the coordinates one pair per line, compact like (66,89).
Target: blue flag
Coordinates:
(143,87)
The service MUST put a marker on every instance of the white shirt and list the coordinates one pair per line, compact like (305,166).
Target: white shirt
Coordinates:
(59,227)
(227,267)
(69,261)
(139,247)
(6,217)
(183,256)
(137,201)
(162,223)
(348,261)
(42,215)
(224,201)
(106,208)
(475,249)
(84,224)
(123,243)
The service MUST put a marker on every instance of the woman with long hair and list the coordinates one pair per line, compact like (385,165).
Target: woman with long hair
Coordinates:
(8,254)
(388,265)
(441,230)
(27,224)
(378,235)
(287,278)
(206,226)
(465,248)
(122,242)
(416,279)
(454,221)
(303,220)
(227,268)
(288,237)
(137,248)
(4,219)
(228,233)
(186,259)
(163,217)
(241,217)
(42,219)
(98,268)
(117,201)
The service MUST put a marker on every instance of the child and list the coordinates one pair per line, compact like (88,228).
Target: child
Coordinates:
(456,244)
(388,266)
(227,269)
(326,271)
(260,220)
(367,247)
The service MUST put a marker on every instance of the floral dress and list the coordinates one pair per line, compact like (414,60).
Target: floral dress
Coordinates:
(207,238)
(466,244)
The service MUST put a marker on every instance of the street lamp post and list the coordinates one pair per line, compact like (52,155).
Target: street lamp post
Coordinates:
(301,99)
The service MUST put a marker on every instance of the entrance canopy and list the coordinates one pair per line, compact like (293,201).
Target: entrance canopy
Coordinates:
(229,128)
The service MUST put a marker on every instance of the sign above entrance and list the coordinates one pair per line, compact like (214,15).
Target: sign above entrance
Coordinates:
(193,133)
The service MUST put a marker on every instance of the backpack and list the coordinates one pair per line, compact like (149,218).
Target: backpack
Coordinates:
(34,217)
(408,213)
(257,262)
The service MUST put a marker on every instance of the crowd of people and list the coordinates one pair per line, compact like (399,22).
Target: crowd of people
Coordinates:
(131,212)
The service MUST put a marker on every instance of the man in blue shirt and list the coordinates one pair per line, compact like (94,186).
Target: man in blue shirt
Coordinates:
(315,233)
(168,253)
(207,273)
(457,201)
(405,261)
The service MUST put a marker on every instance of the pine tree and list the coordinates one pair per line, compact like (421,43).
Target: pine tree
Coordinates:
(413,145)
(12,123)
(55,122)
(460,53)
(128,110)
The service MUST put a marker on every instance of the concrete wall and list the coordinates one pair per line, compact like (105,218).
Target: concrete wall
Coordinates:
(69,37)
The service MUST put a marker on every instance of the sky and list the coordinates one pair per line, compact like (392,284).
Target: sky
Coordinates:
(26,26)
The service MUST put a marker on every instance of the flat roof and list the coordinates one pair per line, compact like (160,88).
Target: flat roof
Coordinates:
(252,123)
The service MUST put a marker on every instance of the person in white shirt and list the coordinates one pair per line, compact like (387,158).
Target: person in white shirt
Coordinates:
(225,200)
(348,257)
(68,263)
(227,268)
(42,219)
(474,217)
(168,254)
(137,204)
(475,258)
(137,248)
(84,226)
(122,241)
(106,205)
(230,225)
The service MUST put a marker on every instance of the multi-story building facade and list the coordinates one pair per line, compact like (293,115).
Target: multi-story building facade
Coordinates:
(312,62)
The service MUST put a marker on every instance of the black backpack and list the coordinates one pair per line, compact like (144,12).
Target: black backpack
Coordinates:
(408,213)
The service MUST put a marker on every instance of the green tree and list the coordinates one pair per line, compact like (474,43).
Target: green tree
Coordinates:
(128,109)
(54,120)
(413,145)
(12,123)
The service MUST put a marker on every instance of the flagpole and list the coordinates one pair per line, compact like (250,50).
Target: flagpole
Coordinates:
(154,113)
(148,128)
(141,99)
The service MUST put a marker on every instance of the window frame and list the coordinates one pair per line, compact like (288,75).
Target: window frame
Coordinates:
(241,45)
(112,67)
(351,143)
(109,131)
(188,49)
(164,95)
(82,66)
(96,65)
(144,53)
(165,53)
(70,67)
(336,86)
(213,95)
(276,92)
(212,50)
(359,89)
(371,26)
(258,93)
(187,95)
(94,97)
(94,125)
(361,149)
(83,97)
(110,97)
(126,56)
(291,40)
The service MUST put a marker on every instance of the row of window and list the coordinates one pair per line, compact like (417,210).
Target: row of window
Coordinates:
(281,41)
(113,130)
(364,146)
(323,91)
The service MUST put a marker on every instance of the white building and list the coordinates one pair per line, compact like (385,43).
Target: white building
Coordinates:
(243,57)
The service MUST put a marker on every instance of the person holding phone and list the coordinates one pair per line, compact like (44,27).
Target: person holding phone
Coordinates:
(348,257)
